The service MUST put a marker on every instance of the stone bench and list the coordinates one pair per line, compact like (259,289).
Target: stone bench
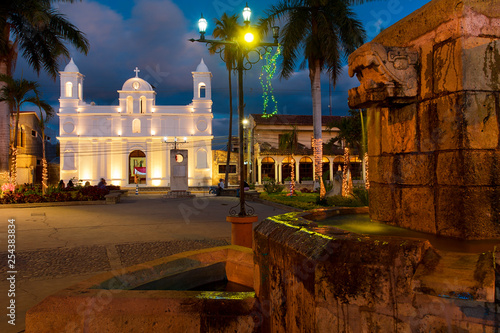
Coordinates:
(112,198)
(121,192)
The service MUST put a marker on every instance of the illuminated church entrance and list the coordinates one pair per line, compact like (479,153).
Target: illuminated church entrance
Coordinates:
(137,167)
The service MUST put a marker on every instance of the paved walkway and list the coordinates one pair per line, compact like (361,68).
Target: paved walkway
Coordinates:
(59,246)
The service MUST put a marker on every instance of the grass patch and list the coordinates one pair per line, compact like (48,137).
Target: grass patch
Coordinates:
(308,201)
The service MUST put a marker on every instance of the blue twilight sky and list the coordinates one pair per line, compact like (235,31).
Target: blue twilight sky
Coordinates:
(153,35)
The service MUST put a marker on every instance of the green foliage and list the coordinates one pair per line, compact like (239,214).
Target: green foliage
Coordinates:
(350,131)
(33,194)
(361,194)
(303,201)
(270,186)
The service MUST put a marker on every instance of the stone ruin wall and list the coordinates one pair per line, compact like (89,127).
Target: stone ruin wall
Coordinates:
(431,84)
(311,279)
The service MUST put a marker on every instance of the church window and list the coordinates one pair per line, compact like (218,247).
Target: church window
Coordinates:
(202,90)
(201,159)
(143,104)
(130,104)
(136,126)
(80,91)
(69,161)
(21,137)
(69,89)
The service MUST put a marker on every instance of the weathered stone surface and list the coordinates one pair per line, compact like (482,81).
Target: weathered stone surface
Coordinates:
(481,56)
(382,169)
(389,75)
(449,137)
(480,120)
(382,206)
(416,209)
(399,130)
(468,213)
(447,67)
(415,169)
(374,117)
(467,167)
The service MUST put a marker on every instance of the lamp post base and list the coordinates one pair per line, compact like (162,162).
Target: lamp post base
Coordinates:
(242,229)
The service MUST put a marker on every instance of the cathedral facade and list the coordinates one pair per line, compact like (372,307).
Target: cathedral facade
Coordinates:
(130,143)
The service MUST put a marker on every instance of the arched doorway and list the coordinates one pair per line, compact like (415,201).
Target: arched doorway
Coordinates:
(306,168)
(286,168)
(137,167)
(267,168)
(326,168)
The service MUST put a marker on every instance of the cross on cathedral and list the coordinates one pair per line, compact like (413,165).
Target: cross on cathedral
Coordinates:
(136,70)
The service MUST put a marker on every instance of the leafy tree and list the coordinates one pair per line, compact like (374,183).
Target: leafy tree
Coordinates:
(17,92)
(41,34)
(352,132)
(325,32)
(227,28)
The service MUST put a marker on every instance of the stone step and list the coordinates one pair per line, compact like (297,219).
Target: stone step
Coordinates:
(456,275)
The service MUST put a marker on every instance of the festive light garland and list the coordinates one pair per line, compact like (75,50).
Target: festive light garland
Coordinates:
(345,182)
(45,175)
(13,168)
(367,184)
(267,88)
(317,144)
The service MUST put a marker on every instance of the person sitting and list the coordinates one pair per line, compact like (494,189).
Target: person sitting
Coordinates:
(220,187)
(246,187)
(61,185)
(70,184)
(102,184)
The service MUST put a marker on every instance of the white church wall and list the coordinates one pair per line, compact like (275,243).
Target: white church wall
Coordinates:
(96,140)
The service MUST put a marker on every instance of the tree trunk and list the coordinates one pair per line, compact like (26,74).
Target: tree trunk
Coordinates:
(229,137)
(4,127)
(7,62)
(315,77)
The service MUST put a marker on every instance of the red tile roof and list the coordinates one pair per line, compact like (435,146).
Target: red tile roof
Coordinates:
(291,119)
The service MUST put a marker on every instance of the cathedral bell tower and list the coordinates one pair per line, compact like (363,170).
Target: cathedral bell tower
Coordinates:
(71,85)
(202,87)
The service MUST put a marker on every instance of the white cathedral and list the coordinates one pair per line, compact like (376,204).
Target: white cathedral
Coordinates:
(130,142)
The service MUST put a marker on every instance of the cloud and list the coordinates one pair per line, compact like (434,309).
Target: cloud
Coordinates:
(153,36)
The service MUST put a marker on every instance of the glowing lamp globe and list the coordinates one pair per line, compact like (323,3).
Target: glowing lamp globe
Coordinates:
(247,12)
(249,37)
(202,25)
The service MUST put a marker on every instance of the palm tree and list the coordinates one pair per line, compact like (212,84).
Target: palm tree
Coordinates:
(17,92)
(227,29)
(288,143)
(41,34)
(352,133)
(326,32)
(49,113)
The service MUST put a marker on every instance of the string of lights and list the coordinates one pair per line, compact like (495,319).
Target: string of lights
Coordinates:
(267,88)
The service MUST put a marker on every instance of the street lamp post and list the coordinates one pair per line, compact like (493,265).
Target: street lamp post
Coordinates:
(243,62)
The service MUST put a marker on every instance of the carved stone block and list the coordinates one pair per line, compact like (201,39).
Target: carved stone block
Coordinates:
(387,75)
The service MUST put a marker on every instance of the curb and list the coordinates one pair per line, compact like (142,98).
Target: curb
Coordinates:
(53,204)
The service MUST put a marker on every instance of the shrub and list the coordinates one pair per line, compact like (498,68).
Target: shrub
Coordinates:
(270,186)
(361,194)
(340,201)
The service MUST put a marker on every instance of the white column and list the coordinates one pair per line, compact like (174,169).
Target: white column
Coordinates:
(280,168)
(259,166)
(276,176)
(331,169)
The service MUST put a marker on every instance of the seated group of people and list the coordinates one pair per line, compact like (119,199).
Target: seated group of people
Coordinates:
(220,187)
(102,184)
